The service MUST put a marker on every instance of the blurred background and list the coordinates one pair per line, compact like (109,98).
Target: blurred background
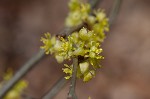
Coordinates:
(126,68)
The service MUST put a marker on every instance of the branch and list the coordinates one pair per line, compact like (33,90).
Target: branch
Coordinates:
(29,65)
(115,10)
(55,89)
(94,3)
(25,68)
(67,31)
(71,94)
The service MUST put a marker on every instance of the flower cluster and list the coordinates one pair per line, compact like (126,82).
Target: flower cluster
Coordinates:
(15,92)
(78,13)
(84,43)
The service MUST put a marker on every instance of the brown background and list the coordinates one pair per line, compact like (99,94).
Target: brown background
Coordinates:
(126,68)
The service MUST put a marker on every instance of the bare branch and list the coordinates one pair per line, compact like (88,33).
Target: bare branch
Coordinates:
(94,3)
(115,10)
(25,68)
(54,90)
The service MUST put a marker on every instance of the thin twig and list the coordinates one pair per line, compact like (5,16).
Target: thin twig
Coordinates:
(25,96)
(71,94)
(114,12)
(28,65)
(54,90)
(68,30)
(25,68)
(94,3)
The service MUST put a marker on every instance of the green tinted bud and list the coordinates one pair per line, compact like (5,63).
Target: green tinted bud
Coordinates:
(79,51)
(67,70)
(100,16)
(92,55)
(89,76)
(12,95)
(59,58)
(74,5)
(20,85)
(75,37)
(84,67)
(57,46)
(67,77)
(83,34)
(93,48)
(91,20)
(73,19)
(53,40)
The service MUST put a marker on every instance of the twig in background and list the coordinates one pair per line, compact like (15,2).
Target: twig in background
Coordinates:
(114,12)
(54,90)
(25,68)
(94,3)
